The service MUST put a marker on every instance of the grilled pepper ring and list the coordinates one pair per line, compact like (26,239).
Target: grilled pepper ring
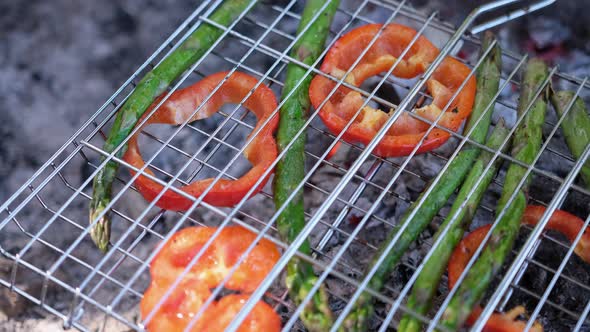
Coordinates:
(565,223)
(180,106)
(407,131)
(212,267)
(560,221)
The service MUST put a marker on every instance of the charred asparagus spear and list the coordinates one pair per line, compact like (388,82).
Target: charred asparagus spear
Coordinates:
(575,126)
(290,170)
(152,85)
(526,143)
(425,287)
(488,76)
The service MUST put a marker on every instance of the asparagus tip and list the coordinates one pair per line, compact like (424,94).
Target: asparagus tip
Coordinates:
(495,57)
(357,320)
(101,231)
(317,316)
(316,322)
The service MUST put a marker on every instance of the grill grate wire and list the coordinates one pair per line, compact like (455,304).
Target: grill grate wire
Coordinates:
(361,180)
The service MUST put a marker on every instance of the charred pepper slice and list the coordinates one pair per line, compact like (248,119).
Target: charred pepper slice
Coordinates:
(407,131)
(215,263)
(563,222)
(261,152)
(213,266)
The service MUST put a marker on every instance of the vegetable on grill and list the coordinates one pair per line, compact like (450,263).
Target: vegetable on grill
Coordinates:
(561,221)
(575,126)
(488,77)
(425,287)
(459,259)
(565,223)
(261,152)
(209,271)
(152,85)
(407,131)
(525,146)
(290,170)
(176,312)
(215,263)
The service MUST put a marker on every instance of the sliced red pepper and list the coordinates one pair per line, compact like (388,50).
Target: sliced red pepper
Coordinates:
(180,106)
(185,301)
(214,265)
(565,223)
(560,221)
(407,131)
(334,150)
(208,272)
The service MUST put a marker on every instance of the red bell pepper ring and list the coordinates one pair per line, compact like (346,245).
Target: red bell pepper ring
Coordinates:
(261,152)
(565,223)
(212,267)
(407,131)
(560,221)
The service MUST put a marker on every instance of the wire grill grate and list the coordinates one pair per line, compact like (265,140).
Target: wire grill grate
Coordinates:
(337,191)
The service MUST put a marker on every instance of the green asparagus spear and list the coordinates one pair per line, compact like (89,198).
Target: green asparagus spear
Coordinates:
(488,76)
(425,287)
(152,85)
(575,126)
(290,170)
(526,144)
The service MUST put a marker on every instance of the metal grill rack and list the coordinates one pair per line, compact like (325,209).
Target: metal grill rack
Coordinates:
(57,253)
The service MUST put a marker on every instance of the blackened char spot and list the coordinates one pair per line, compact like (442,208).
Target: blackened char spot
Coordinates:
(303,52)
